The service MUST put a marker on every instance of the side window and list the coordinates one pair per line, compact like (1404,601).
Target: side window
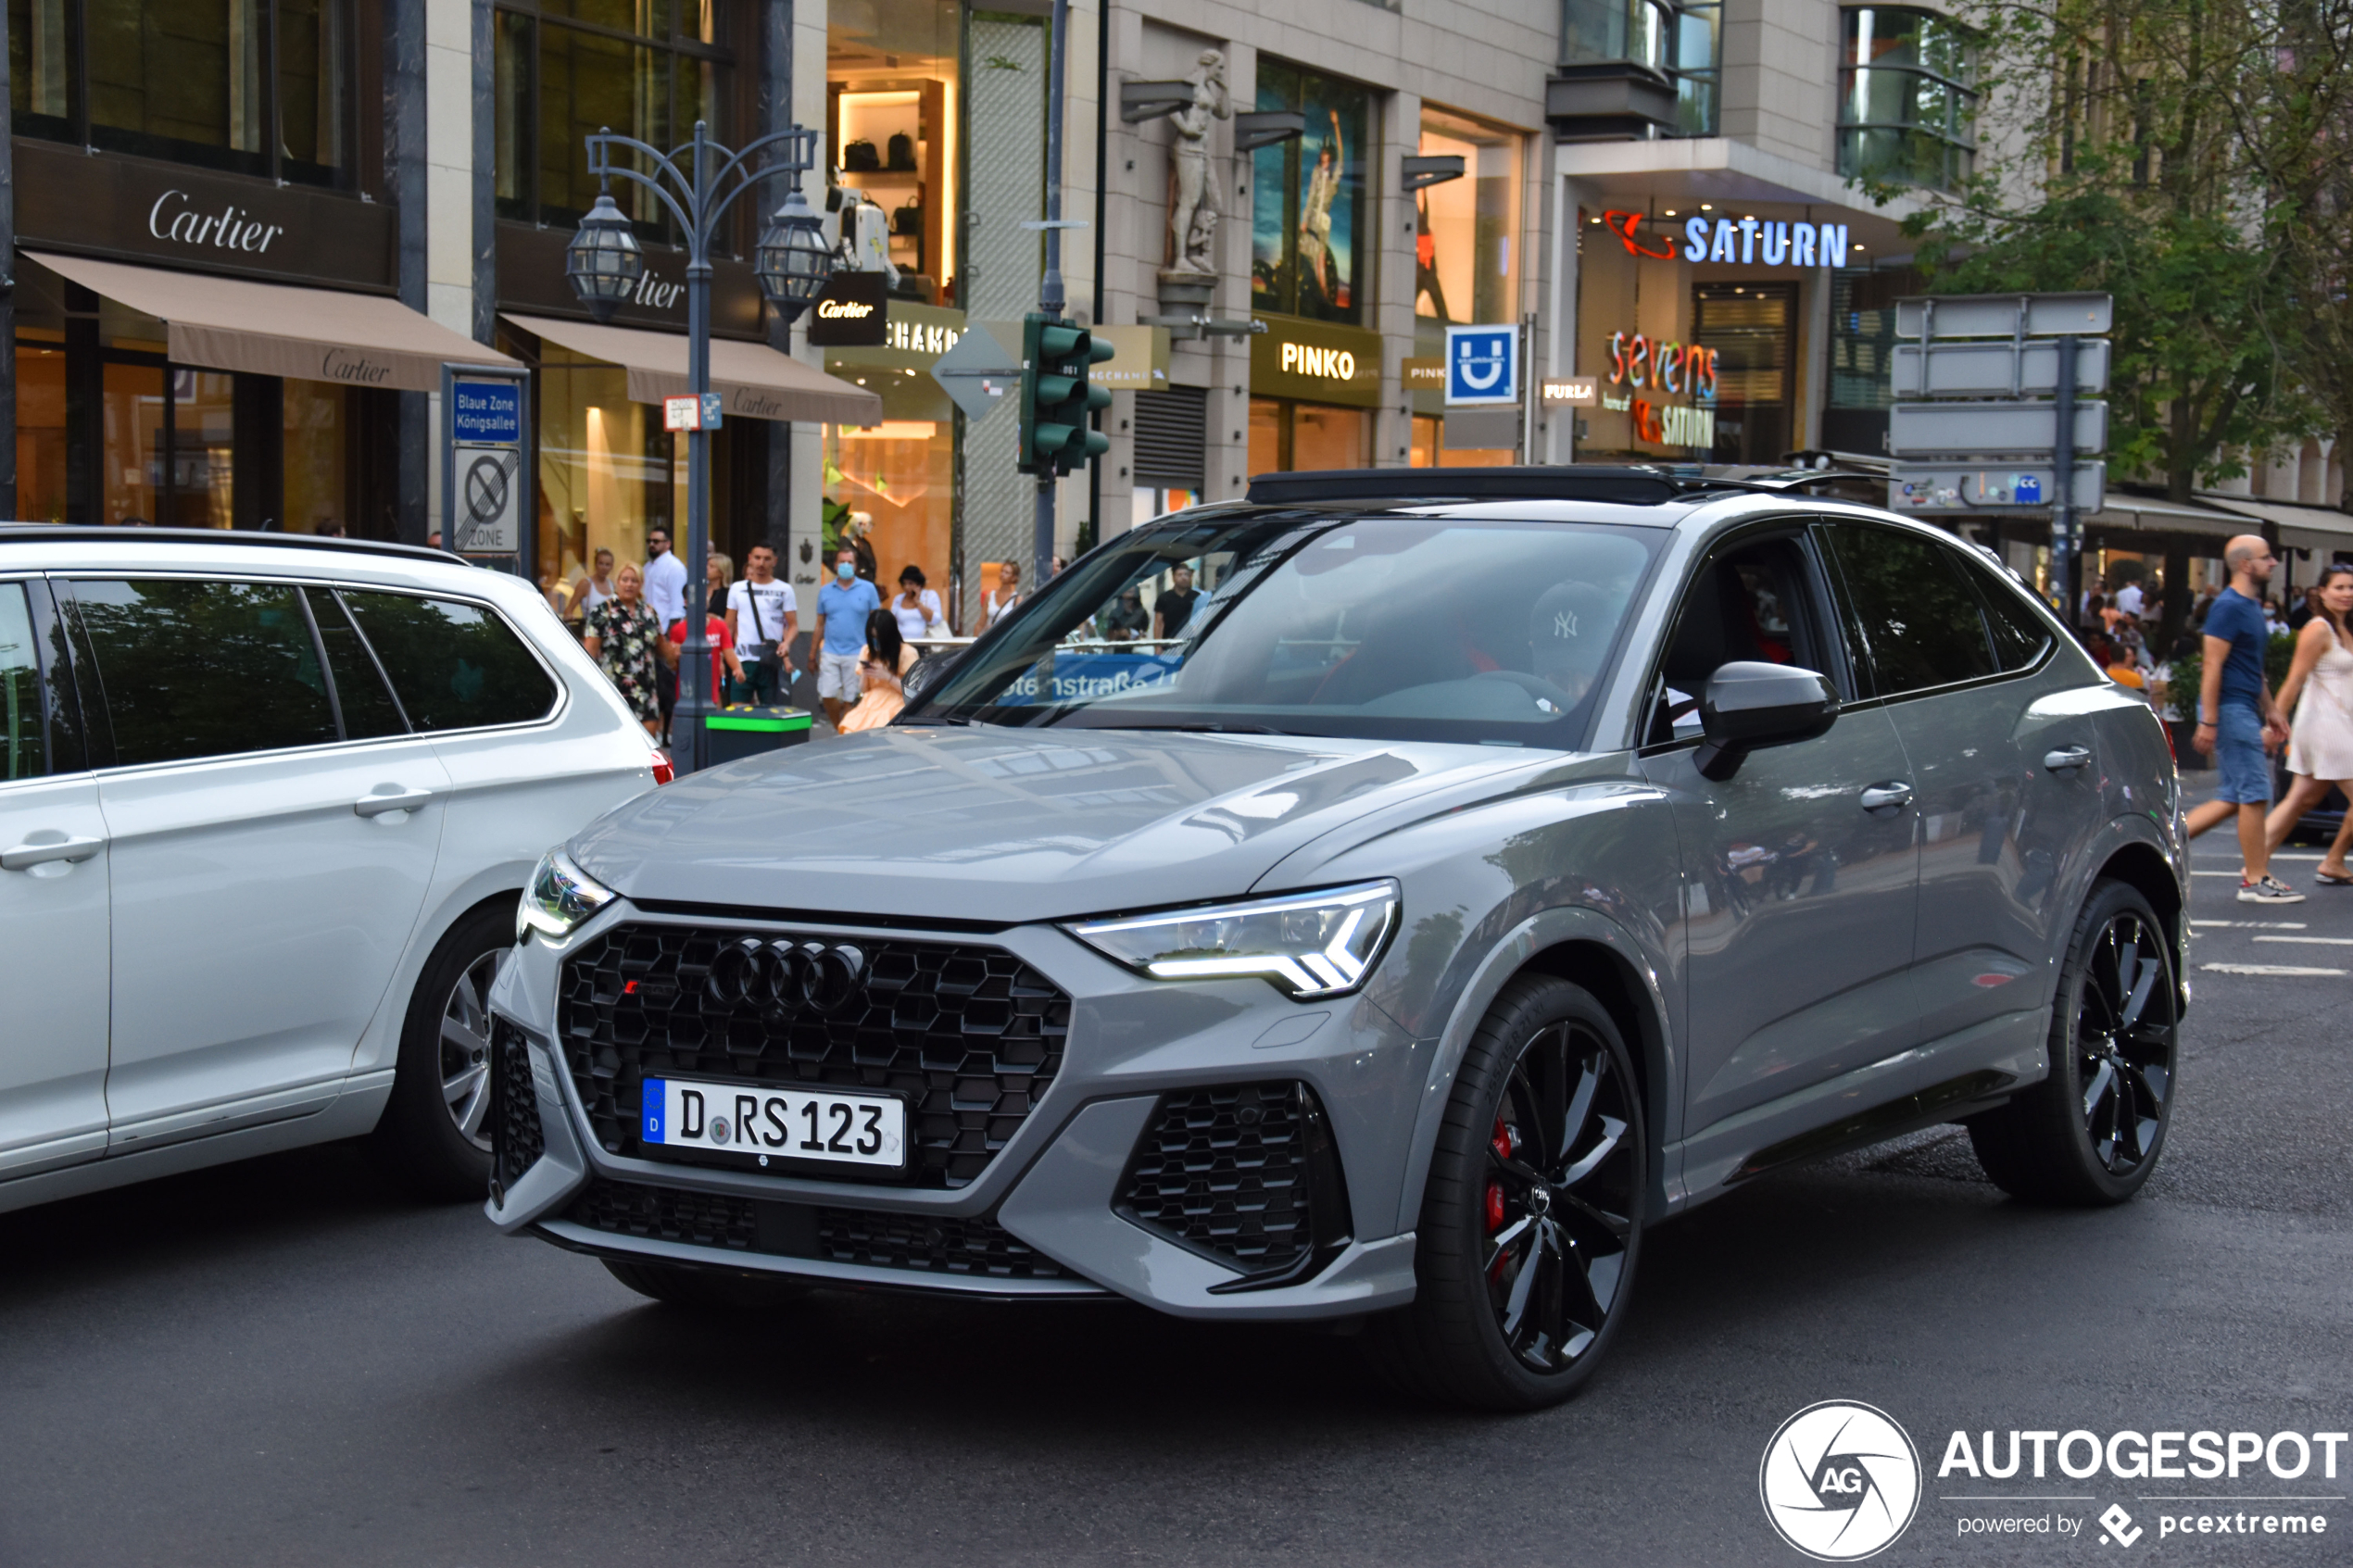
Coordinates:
(1910,612)
(1749,604)
(368,710)
(2019,635)
(24,731)
(455,666)
(192,668)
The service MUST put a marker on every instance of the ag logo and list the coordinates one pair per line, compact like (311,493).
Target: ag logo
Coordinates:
(1840,1480)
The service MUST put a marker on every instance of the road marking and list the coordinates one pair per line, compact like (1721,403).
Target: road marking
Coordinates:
(2278,855)
(2314,941)
(2255,924)
(2277,969)
(2240,875)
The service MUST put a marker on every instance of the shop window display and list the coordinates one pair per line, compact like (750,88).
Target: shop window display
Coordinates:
(1465,240)
(1287,435)
(606,473)
(891,117)
(1310,205)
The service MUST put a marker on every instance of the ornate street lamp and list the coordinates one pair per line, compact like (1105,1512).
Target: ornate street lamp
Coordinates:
(603,263)
(699,181)
(792,261)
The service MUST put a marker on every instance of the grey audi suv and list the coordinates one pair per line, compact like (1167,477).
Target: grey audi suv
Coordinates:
(1482,868)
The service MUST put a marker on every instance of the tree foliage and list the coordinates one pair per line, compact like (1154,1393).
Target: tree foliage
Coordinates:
(2170,153)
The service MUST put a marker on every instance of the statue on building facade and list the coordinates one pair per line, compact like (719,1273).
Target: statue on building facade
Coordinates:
(1192,216)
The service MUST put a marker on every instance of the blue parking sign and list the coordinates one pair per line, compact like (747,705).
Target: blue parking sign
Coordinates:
(1482,364)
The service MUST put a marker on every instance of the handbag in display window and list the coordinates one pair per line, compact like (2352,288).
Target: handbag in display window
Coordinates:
(860,157)
(908,219)
(902,152)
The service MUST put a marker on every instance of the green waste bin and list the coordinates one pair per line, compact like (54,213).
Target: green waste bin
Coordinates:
(738,733)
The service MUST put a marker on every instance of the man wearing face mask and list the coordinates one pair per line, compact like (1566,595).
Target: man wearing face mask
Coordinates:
(840,632)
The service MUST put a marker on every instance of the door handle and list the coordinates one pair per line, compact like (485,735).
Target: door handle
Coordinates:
(24,856)
(1881,798)
(2068,757)
(377,805)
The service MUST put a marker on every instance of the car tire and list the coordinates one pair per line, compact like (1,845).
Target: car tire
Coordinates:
(433,1138)
(1528,1240)
(680,1285)
(2089,1134)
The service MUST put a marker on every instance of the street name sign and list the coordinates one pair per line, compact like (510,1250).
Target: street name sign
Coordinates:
(1990,430)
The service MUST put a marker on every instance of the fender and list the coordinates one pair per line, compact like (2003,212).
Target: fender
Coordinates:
(2116,834)
(379,1046)
(1510,955)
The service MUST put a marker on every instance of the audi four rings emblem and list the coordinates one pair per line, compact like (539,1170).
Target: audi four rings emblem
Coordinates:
(789,975)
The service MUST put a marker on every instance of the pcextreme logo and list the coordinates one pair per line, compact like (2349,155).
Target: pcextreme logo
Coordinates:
(1840,1480)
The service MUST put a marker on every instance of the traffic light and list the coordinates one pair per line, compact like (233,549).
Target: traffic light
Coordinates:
(1055,396)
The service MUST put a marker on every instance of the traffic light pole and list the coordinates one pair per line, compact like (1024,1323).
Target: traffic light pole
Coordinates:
(1050,298)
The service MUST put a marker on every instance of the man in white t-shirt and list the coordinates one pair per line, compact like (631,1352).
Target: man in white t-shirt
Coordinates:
(760,612)
(2129,600)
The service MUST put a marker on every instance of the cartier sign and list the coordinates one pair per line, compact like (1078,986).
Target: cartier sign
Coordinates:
(132,209)
(853,312)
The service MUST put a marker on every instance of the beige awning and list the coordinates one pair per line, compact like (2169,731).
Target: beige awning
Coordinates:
(280,330)
(755,381)
(2307,528)
(2140,512)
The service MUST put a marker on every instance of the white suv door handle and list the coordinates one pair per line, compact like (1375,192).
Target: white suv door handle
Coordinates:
(2066,757)
(24,856)
(377,805)
(1879,798)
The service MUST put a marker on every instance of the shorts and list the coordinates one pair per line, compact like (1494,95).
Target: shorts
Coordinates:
(838,676)
(2238,753)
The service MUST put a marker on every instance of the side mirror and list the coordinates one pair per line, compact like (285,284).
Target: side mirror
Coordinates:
(1749,705)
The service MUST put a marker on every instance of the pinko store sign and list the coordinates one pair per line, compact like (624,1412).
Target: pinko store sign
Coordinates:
(1745,242)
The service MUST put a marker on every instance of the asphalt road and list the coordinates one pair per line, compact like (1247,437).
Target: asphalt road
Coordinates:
(282,1362)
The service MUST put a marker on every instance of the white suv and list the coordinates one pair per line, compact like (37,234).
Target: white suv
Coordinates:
(265,807)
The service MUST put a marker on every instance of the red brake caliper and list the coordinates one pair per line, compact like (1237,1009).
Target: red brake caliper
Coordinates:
(1502,1144)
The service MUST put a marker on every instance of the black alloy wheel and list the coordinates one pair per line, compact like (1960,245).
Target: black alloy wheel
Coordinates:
(2091,1132)
(1532,1224)
(1558,1206)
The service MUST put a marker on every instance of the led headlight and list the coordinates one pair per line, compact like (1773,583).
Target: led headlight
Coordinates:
(560,897)
(1307,944)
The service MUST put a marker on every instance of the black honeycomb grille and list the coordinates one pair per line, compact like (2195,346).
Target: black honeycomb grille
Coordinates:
(515,1137)
(974,1247)
(1225,1171)
(971,1035)
(911,1241)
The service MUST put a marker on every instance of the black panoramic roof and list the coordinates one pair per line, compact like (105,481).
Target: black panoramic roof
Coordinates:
(72,534)
(1623,485)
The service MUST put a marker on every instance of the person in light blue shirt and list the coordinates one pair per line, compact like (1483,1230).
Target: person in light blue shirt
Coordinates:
(840,634)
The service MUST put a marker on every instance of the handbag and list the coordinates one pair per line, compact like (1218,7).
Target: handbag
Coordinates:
(860,157)
(767,656)
(908,219)
(902,152)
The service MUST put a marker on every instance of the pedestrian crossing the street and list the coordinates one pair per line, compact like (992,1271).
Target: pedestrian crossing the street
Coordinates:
(2296,951)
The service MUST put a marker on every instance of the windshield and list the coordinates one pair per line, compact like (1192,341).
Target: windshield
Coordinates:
(1387,628)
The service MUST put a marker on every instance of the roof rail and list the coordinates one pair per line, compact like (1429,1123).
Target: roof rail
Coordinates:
(1626,486)
(66,534)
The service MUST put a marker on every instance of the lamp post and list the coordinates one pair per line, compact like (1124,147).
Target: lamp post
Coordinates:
(698,181)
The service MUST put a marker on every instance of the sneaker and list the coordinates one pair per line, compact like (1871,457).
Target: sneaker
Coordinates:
(2271,890)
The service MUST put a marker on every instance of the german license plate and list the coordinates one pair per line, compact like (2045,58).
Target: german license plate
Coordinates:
(760,1123)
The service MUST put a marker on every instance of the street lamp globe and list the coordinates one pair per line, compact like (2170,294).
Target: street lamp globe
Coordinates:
(603,263)
(791,260)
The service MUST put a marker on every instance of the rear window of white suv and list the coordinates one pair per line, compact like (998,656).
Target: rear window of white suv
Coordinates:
(454,666)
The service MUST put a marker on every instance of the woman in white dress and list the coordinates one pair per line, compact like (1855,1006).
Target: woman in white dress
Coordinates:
(2319,691)
(995,606)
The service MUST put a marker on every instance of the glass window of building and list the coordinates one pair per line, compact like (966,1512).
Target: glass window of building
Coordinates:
(606,472)
(1286,434)
(1466,232)
(567,69)
(260,87)
(1681,43)
(1907,98)
(1310,202)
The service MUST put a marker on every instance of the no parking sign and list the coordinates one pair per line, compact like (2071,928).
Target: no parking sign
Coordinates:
(485,481)
(1482,366)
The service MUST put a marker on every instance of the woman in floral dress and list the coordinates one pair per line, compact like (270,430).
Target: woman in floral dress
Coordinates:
(625,638)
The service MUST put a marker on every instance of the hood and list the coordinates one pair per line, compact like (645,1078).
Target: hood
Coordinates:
(1006,825)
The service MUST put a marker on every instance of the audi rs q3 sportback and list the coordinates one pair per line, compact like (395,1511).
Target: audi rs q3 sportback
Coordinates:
(1486,866)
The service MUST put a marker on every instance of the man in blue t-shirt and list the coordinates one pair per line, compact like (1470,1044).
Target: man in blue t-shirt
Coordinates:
(840,632)
(2237,724)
